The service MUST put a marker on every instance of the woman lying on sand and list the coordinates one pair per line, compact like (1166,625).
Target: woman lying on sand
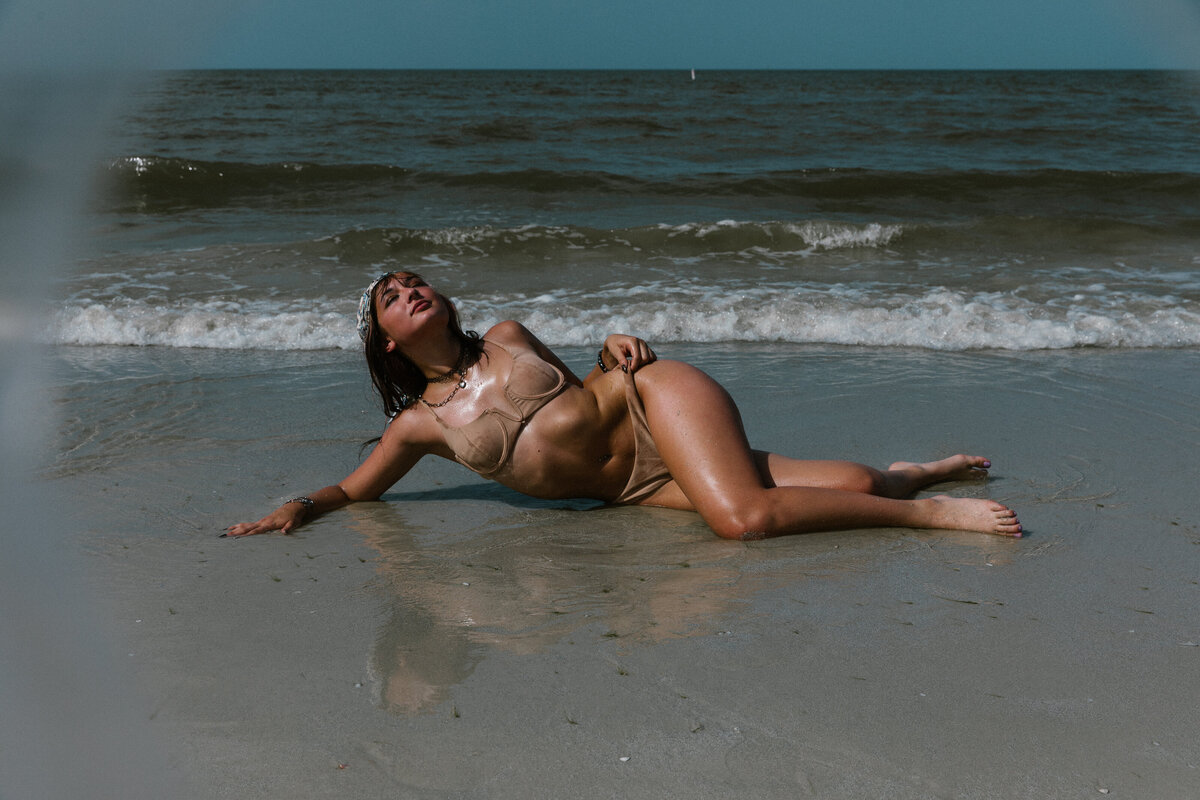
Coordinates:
(506,407)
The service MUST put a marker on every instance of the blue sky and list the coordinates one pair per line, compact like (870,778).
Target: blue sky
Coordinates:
(670,34)
(710,34)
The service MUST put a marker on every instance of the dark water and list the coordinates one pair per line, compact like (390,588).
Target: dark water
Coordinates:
(950,210)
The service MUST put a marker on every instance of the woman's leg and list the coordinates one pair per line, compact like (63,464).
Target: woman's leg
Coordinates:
(899,480)
(699,435)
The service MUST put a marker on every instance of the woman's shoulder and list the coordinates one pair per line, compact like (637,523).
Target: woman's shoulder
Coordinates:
(414,427)
(516,339)
(510,332)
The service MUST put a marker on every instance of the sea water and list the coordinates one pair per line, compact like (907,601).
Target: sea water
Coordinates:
(938,210)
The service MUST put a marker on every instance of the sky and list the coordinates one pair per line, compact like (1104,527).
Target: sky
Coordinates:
(633,34)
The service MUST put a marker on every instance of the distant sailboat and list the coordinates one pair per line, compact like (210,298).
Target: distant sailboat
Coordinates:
(693,74)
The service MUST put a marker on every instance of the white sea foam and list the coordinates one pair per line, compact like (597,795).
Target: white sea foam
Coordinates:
(813,234)
(832,237)
(937,319)
(940,320)
(200,326)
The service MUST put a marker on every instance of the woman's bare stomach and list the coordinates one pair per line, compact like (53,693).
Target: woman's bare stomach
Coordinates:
(580,444)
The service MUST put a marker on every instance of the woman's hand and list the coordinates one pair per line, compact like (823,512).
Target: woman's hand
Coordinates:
(282,519)
(629,352)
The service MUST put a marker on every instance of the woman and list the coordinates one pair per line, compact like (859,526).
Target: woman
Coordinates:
(508,408)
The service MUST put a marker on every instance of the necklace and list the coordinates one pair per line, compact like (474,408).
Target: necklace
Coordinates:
(458,370)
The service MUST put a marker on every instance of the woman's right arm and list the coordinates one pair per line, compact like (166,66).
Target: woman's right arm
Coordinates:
(397,452)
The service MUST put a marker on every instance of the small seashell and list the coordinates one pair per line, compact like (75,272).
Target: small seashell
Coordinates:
(623,759)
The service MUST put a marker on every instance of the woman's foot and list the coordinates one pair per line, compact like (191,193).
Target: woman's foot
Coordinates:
(970,514)
(906,477)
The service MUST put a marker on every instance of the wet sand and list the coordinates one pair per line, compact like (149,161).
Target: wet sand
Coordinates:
(458,640)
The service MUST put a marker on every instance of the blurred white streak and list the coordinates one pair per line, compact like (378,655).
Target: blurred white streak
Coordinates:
(72,724)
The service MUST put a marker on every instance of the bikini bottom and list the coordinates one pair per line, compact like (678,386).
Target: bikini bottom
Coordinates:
(649,472)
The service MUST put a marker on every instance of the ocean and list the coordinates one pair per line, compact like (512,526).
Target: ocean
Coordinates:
(935,210)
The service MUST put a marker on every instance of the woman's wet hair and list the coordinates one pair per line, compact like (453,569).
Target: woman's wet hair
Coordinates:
(397,379)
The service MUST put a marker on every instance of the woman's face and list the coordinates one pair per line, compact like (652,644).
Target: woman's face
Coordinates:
(404,306)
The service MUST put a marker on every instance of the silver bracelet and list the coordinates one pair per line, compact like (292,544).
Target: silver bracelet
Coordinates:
(307,502)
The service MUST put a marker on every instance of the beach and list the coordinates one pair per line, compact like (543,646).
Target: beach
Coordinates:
(459,640)
(879,266)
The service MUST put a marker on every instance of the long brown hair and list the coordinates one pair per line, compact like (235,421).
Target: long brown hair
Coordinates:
(397,379)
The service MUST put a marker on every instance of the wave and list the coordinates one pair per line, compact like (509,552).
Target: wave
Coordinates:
(160,183)
(683,241)
(153,183)
(203,325)
(731,241)
(939,319)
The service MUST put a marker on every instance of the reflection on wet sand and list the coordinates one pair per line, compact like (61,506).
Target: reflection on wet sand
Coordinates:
(471,568)
(523,581)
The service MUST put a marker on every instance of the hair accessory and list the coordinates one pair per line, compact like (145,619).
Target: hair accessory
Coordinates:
(366,314)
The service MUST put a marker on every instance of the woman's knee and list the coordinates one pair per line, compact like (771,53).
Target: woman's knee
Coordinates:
(742,522)
(848,477)
(863,479)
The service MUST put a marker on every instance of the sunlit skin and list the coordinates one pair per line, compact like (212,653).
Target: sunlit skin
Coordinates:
(581,444)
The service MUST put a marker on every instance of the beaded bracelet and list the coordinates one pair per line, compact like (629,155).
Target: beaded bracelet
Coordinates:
(600,361)
(307,502)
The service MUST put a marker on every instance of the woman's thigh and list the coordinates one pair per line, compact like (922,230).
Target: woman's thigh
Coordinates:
(698,432)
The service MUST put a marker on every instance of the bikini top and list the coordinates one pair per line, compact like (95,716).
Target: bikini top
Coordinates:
(485,444)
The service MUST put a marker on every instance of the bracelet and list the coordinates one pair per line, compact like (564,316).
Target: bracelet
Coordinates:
(307,502)
(600,360)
